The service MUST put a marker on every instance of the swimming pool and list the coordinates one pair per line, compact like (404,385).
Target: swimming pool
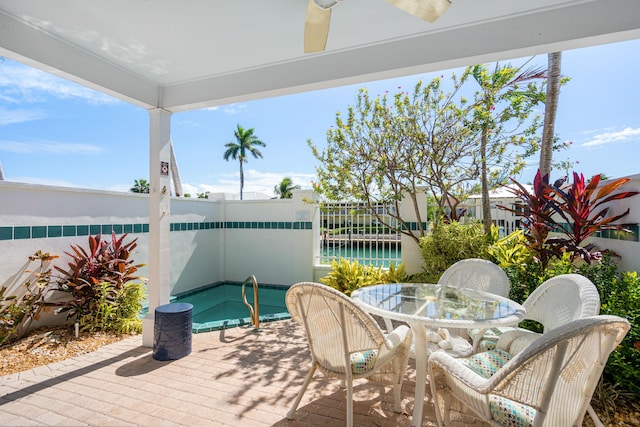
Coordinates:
(219,306)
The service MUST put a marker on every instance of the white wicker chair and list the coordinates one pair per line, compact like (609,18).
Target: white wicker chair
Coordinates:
(346,342)
(550,383)
(479,274)
(555,302)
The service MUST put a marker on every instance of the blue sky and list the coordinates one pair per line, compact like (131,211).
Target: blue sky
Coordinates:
(55,132)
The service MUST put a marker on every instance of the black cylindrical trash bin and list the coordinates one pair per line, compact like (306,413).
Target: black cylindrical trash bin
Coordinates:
(172,331)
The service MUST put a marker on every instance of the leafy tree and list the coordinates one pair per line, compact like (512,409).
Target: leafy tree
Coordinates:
(284,190)
(140,186)
(246,143)
(204,195)
(502,119)
(388,149)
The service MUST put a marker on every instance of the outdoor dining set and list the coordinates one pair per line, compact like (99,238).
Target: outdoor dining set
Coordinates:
(468,347)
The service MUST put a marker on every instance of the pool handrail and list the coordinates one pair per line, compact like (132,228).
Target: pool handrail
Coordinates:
(253,311)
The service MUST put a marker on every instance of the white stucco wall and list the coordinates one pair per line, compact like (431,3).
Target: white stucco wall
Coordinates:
(629,251)
(273,255)
(199,255)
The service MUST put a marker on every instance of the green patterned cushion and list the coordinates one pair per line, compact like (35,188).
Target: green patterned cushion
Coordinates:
(509,413)
(363,361)
(489,338)
(487,344)
(487,363)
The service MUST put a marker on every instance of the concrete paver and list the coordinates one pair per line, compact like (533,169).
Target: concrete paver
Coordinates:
(235,377)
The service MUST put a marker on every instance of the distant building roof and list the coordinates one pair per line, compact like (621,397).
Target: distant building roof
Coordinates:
(502,192)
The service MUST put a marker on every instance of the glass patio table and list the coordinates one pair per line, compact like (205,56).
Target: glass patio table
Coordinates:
(426,307)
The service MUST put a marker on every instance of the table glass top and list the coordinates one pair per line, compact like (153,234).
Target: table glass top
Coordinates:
(436,302)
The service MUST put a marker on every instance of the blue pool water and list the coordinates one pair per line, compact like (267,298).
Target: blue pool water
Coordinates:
(220,306)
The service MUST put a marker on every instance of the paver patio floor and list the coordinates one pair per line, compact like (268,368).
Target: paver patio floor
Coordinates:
(235,377)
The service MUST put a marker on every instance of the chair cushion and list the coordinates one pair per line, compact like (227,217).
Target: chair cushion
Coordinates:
(363,361)
(487,363)
(509,413)
(490,337)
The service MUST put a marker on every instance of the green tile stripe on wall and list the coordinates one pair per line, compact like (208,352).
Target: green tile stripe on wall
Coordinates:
(413,226)
(19,232)
(52,231)
(236,225)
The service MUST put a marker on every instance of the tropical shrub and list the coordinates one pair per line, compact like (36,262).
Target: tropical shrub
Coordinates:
(537,216)
(103,262)
(579,207)
(511,250)
(116,310)
(445,244)
(347,276)
(18,311)
(620,296)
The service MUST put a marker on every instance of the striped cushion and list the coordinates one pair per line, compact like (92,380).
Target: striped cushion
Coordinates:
(509,413)
(363,361)
(487,363)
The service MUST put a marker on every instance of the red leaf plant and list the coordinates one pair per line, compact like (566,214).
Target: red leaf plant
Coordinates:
(581,206)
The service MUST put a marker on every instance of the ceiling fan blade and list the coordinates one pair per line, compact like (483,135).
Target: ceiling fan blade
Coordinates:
(429,10)
(316,28)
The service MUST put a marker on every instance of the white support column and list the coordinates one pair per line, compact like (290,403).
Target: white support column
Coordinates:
(411,256)
(159,217)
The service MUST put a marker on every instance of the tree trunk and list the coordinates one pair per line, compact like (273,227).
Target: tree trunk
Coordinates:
(486,203)
(177,183)
(241,179)
(551,106)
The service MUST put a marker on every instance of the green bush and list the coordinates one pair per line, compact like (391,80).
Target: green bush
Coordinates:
(103,261)
(448,243)
(347,276)
(115,310)
(620,296)
(19,310)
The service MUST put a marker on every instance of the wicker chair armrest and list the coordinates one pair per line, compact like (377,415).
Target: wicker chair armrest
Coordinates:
(454,367)
(397,336)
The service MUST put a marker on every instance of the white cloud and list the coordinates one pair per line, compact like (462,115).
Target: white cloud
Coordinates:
(254,181)
(610,137)
(8,117)
(51,147)
(19,83)
(232,109)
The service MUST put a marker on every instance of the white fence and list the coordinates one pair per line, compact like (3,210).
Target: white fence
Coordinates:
(351,231)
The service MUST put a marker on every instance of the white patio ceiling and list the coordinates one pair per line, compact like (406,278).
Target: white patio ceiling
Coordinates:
(180,55)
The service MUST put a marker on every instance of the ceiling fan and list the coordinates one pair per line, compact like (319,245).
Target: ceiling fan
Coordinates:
(316,26)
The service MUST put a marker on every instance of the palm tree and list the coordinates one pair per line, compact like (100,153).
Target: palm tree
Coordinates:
(244,144)
(285,189)
(140,186)
(551,106)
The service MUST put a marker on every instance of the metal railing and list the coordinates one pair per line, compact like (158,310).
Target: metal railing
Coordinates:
(351,231)
(254,312)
